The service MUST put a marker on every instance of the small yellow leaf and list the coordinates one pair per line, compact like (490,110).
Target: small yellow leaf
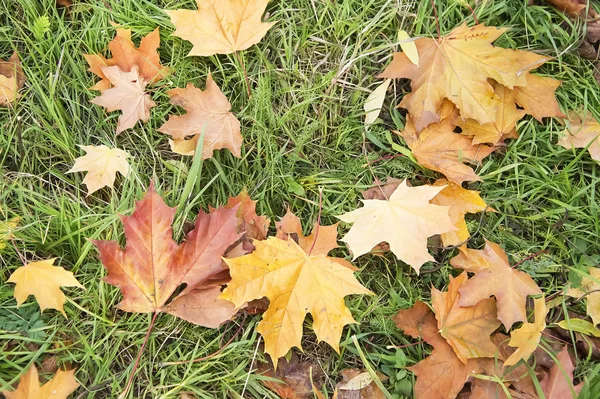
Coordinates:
(408,47)
(6,230)
(43,280)
(580,326)
(527,337)
(102,164)
(375,102)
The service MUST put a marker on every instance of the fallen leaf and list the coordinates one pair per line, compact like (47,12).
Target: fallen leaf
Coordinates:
(152,265)
(408,47)
(438,148)
(249,223)
(207,110)
(590,288)
(458,67)
(559,383)
(581,133)
(102,164)
(466,328)
(295,376)
(495,277)
(570,7)
(357,384)
(405,221)
(6,229)
(59,387)
(296,284)
(375,102)
(221,27)
(580,326)
(43,280)
(127,95)
(382,191)
(321,240)
(527,337)
(460,202)
(125,55)
(537,97)
(12,79)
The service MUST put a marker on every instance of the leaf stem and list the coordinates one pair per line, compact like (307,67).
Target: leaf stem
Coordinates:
(243,66)
(137,360)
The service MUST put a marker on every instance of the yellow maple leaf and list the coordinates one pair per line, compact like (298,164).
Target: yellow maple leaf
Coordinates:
(466,328)
(458,67)
(461,201)
(527,337)
(6,229)
(582,132)
(295,284)
(404,221)
(221,26)
(590,287)
(59,387)
(127,95)
(102,164)
(43,280)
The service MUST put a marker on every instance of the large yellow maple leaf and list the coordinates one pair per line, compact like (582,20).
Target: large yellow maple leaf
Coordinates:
(59,387)
(404,221)
(221,26)
(458,67)
(296,283)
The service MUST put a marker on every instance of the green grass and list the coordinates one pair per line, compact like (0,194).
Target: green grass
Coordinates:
(303,129)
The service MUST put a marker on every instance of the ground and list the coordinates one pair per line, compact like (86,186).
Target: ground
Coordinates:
(303,130)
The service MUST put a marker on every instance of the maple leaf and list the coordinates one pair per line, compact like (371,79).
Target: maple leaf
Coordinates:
(527,337)
(537,97)
(438,148)
(102,164)
(380,190)
(59,387)
(296,378)
(127,95)
(321,240)
(590,288)
(582,132)
(208,109)
(221,26)
(6,229)
(460,202)
(466,328)
(559,383)
(570,7)
(405,221)
(495,277)
(458,67)
(43,280)
(125,55)
(295,284)
(152,265)
(12,79)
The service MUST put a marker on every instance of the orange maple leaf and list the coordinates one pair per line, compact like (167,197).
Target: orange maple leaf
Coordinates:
(321,240)
(125,55)
(12,79)
(559,383)
(59,387)
(152,265)
(207,110)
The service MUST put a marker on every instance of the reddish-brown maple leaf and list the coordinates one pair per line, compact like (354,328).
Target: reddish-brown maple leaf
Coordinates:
(152,265)
(559,383)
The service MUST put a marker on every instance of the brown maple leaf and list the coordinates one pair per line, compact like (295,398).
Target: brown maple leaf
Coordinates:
(458,67)
(582,132)
(495,277)
(466,328)
(152,265)
(12,79)
(381,190)
(296,377)
(440,149)
(207,111)
(127,95)
(559,383)
(125,55)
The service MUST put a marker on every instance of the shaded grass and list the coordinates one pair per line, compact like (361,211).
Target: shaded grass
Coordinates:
(302,131)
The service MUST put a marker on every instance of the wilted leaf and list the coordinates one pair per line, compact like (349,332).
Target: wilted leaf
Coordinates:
(466,328)
(59,387)
(208,109)
(590,288)
(221,27)
(381,190)
(12,79)
(559,383)
(6,229)
(296,284)
(127,95)
(102,164)
(43,280)
(495,277)
(571,7)
(582,133)
(125,55)
(152,265)
(295,376)
(357,384)
(527,337)
(405,221)
(458,67)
